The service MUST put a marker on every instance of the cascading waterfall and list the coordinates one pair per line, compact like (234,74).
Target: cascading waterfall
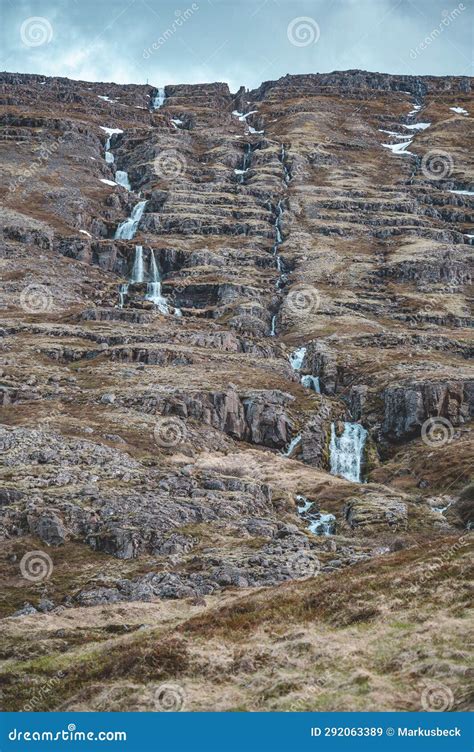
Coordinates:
(159,99)
(292,446)
(109,157)
(245,163)
(325,524)
(273,326)
(278,262)
(286,172)
(153,290)
(127,229)
(304,505)
(311,382)
(346,451)
(123,290)
(121,178)
(297,357)
(138,272)
(320,523)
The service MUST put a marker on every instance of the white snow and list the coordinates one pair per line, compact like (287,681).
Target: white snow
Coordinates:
(107,182)
(84,232)
(106,99)
(240,172)
(416,108)
(399,148)
(42,83)
(459,110)
(395,134)
(418,126)
(463,193)
(176,122)
(243,116)
(110,131)
(252,130)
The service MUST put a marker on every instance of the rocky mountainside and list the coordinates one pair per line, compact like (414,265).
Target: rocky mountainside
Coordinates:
(236,392)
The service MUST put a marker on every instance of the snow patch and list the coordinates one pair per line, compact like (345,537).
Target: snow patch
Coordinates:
(110,131)
(399,148)
(459,110)
(107,182)
(418,126)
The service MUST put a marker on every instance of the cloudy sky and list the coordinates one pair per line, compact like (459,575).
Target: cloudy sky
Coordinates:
(243,42)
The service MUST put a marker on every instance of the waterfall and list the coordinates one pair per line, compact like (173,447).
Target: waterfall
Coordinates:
(109,157)
(320,523)
(153,289)
(303,504)
(286,173)
(297,357)
(311,382)
(126,230)
(292,446)
(245,163)
(121,178)
(346,451)
(137,270)
(159,99)
(324,524)
(273,327)
(123,290)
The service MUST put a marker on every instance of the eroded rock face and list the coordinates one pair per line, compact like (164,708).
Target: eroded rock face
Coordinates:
(374,512)
(406,408)
(293,227)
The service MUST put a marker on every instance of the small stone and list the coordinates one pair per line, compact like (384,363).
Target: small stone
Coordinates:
(107,399)
(27,610)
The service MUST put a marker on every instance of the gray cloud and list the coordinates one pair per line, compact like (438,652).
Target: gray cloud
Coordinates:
(238,41)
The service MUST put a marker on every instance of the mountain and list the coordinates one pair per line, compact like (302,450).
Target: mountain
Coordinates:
(236,393)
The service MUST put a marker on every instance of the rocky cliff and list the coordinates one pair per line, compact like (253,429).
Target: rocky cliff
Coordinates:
(261,377)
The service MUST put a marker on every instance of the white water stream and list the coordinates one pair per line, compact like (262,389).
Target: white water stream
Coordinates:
(347,450)
(127,229)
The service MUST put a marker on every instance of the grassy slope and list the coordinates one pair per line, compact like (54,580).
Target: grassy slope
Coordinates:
(372,637)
